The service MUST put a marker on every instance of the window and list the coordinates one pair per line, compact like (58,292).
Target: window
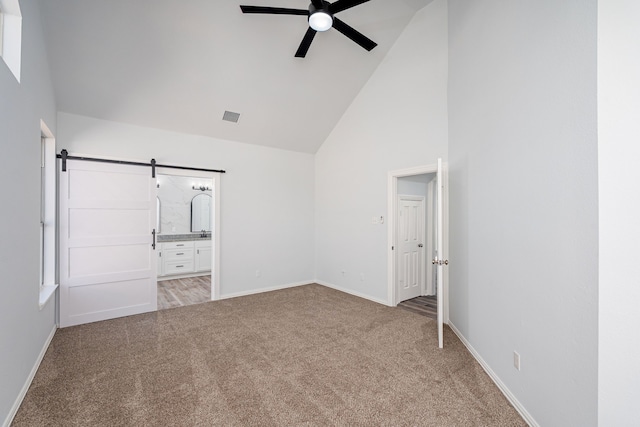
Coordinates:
(47,282)
(11,35)
(1,21)
(43,188)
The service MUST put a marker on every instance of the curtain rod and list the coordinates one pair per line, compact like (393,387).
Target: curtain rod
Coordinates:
(64,155)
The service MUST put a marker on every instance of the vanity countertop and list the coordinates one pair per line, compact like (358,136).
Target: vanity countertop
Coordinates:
(181,237)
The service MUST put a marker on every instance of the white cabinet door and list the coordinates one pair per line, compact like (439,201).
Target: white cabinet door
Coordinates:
(107,261)
(203,256)
(159,260)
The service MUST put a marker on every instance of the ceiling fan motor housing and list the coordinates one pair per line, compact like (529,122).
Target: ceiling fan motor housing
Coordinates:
(324,8)
(324,20)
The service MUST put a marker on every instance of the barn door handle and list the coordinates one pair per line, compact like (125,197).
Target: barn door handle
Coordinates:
(153,245)
(420,245)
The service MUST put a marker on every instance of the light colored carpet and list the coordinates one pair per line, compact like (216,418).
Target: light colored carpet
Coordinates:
(301,356)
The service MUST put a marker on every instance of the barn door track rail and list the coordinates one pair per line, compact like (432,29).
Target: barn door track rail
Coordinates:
(64,156)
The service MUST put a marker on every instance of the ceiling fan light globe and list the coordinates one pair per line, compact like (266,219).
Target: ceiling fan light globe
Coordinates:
(320,21)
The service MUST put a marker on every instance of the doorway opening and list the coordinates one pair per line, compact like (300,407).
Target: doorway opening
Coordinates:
(415,277)
(415,225)
(417,248)
(188,213)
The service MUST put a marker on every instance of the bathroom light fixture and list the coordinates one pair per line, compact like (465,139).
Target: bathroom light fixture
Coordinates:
(201,187)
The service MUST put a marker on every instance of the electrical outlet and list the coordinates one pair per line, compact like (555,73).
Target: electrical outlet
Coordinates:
(362,277)
(258,273)
(374,220)
(516,360)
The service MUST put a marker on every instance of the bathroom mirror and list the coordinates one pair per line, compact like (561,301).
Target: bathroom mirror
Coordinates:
(201,213)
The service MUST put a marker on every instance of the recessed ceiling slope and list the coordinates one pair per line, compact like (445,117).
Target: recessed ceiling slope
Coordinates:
(178,65)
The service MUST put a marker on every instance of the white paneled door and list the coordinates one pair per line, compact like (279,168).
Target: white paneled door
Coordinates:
(411,256)
(107,237)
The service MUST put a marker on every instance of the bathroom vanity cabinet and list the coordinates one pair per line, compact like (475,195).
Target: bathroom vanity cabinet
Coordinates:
(184,258)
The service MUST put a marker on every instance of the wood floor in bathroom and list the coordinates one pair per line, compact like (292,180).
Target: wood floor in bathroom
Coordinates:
(181,292)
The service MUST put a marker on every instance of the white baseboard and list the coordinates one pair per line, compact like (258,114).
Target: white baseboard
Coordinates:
(262,290)
(32,374)
(354,293)
(503,388)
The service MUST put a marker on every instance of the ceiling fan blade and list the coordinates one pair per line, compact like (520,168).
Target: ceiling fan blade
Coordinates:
(306,42)
(274,10)
(341,5)
(353,34)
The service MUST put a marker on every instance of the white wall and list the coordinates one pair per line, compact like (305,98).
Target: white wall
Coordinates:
(524,198)
(25,329)
(267,195)
(398,120)
(619,178)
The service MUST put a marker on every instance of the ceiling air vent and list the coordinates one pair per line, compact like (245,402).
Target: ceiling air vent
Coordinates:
(231,116)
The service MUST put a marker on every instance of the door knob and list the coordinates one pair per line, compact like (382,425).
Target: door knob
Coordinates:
(420,245)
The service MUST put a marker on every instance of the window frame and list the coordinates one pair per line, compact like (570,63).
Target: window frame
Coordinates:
(48,216)
(11,36)
(1,28)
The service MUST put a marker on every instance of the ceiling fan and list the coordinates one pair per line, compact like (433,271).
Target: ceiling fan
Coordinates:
(321,17)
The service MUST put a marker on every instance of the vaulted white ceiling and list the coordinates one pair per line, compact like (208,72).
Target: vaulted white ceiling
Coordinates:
(179,64)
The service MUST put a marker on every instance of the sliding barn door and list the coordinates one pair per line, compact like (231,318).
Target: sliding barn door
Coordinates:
(107,241)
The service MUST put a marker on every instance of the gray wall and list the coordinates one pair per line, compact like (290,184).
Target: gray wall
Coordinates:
(397,121)
(25,328)
(523,198)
